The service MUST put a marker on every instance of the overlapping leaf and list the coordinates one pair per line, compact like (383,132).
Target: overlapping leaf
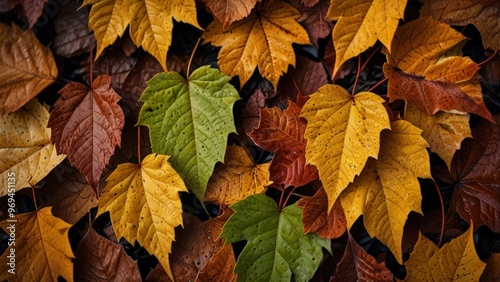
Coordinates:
(276,245)
(388,188)
(31,9)
(282,132)
(238,178)
(220,267)
(492,270)
(313,18)
(263,39)
(87,126)
(425,67)
(26,153)
(456,260)
(42,248)
(151,22)
(144,204)
(26,67)
(360,23)
(342,132)
(229,11)
(190,120)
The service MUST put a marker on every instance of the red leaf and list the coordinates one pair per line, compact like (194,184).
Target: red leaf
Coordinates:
(87,125)
(251,112)
(31,9)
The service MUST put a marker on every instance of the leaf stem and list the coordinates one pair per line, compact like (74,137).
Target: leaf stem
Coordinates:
(488,59)
(378,84)
(442,214)
(288,197)
(192,55)
(357,76)
(139,143)
(370,57)
(90,63)
(34,197)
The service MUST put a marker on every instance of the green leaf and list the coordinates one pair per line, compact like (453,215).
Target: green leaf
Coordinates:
(189,119)
(276,245)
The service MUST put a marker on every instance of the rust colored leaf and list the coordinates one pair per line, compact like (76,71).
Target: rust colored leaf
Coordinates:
(31,9)
(86,125)
(425,68)
(357,265)
(313,18)
(474,172)
(283,133)
(238,178)
(229,11)
(484,14)
(315,217)
(26,67)
(98,259)
(492,270)
(220,267)
(251,112)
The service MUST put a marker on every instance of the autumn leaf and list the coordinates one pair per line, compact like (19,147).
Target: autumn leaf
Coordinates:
(313,18)
(98,259)
(31,9)
(229,11)
(492,270)
(87,124)
(456,260)
(342,132)
(238,178)
(360,24)
(357,265)
(443,131)
(151,23)
(251,113)
(388,189)
(276,245)
(263,39)
(484,14)
(26,67)
(282,132)
(42,248)
(220,267)
(190,120)
(426,69)
(26,153)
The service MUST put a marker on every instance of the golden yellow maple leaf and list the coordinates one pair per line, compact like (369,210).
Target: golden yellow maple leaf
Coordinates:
(263,39)
(26,153)
(144,204)
(443,131)
(238,178)
(342,132)
(455,261)
(360,23)
(26,67)
(388,188)
(151,22)
(41,248)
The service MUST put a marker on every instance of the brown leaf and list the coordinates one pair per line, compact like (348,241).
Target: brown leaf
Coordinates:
(86,125)
(313,18)
(315,217)
(491,70)
(492,270)
(251,112)
(72,33)
(229,11)
(220,267)
(357,265)
(98,259)
(31,9)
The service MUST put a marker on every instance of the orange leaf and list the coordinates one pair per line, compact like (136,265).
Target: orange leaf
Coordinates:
(229,11)
(220,267)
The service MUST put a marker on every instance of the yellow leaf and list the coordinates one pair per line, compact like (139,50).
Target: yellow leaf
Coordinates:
(144,204)
(42,249)
(151,22)
(361,23)
(455,261)
(263,39)
(342,132)
(388,189)
(443,131)
(26,67)
(238,178)
(26,153)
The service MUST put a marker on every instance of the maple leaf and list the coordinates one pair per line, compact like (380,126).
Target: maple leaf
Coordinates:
(42,248)
(342,132)
(388,189)
(144,204)
(484,14)
(456,260)
(282,132)
(229,11)
(87,125)
(220,267)
(276,245)
(31,9)
(26,152)
(26,67)
(98,259)
(190,120)
(357,265)
(428,71)
(263,39)
(151,22)
(238,178)
(443,131)
(474,173)
(360,24)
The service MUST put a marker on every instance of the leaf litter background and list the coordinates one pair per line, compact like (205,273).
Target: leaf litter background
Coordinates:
(384,219)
